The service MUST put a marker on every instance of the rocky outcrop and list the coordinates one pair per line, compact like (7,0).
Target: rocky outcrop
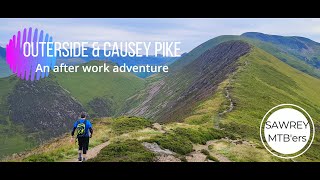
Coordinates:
(162,155)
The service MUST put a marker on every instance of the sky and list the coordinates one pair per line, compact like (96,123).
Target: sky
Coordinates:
(190,32)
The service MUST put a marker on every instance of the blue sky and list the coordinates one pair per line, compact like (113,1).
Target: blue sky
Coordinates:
(190,32)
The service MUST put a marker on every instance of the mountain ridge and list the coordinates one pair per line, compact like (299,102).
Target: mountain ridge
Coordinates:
(293,59)
(196,80)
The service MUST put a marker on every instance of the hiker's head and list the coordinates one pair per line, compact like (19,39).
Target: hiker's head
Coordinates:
(83,115)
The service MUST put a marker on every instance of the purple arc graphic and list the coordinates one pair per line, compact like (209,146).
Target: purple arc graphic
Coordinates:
(25,67)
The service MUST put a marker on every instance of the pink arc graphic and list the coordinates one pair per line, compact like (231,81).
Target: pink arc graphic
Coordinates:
(25,67)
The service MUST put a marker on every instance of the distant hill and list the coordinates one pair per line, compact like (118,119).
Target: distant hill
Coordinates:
(2,52)
(4,68)
(300,47)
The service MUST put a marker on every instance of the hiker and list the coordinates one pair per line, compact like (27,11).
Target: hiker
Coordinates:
(84,131)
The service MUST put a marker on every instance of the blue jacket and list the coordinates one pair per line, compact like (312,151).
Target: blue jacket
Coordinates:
(88,128)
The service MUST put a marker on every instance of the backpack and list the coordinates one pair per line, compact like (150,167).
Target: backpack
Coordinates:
(81,128)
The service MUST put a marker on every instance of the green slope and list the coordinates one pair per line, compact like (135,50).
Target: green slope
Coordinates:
(92,89)
(99,93)
(263,82)
(12,138)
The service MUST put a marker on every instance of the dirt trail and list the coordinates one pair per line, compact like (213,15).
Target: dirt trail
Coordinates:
(231,106)
(220,157)
(199,158)
(163,155)
(227,93)
(93,152)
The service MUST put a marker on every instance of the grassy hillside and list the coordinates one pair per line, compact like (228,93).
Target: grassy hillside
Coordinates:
(99,91)
(264,78)
(29,110)
(101,94)
(12,138)
(263,82)
(105,129)
(180,138)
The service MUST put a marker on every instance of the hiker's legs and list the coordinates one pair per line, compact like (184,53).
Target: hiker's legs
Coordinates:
(80,154)
(84,157)
(80,143)
(85,148)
